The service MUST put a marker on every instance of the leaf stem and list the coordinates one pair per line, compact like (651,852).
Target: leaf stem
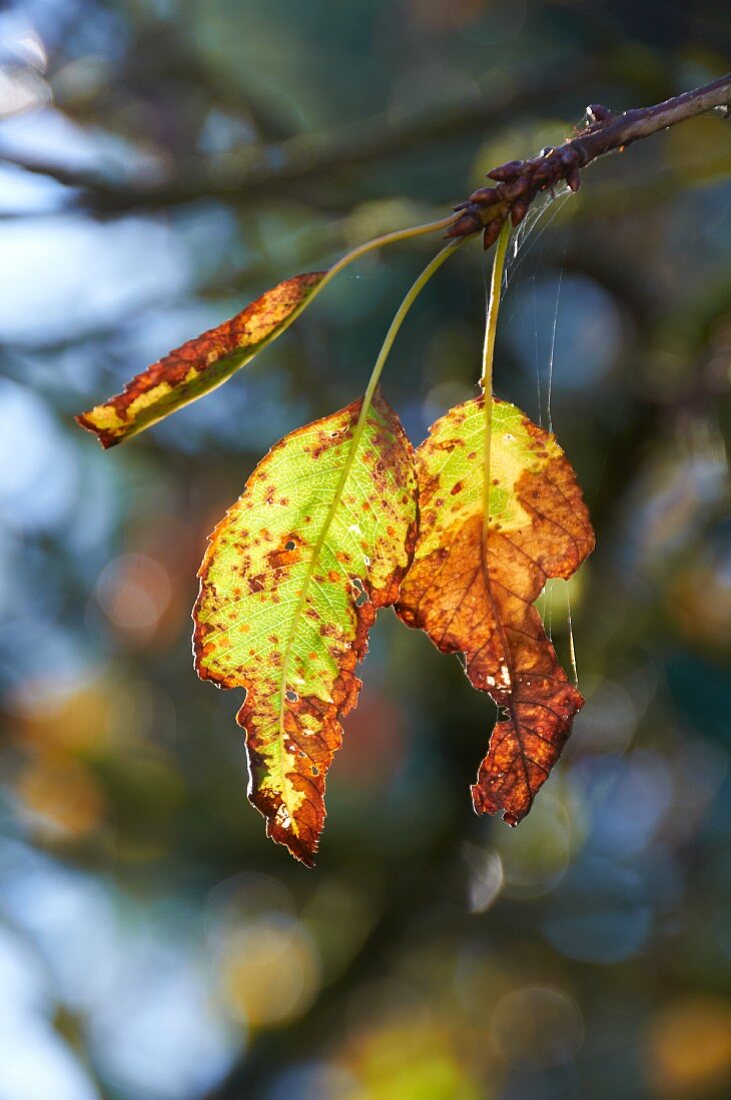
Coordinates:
(488,354)
(398,319)
(378,242)
(363,250)
(431,268)
(388,238)
(493,307)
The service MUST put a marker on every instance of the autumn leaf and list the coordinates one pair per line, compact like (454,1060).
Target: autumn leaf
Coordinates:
(472,586)
(201,364)
(290,585)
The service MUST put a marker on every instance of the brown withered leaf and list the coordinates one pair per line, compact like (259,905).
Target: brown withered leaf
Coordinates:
(201,364)
(472,587)
(290,585)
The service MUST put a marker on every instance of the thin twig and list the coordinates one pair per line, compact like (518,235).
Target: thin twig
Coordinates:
(519,181)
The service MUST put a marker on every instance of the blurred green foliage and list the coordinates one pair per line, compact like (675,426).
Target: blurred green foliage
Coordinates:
(160,165)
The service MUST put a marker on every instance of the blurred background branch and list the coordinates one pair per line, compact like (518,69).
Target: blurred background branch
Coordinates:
(282,168)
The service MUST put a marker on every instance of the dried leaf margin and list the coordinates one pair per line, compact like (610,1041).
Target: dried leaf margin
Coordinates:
(291,628)
(472,589)
(201,364)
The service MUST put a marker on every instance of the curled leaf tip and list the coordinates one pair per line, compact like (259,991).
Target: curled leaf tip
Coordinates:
(91,421)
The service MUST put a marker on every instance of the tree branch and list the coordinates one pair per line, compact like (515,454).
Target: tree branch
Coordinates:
(519,181)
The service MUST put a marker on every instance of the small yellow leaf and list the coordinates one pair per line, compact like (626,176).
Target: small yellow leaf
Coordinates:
(200,365)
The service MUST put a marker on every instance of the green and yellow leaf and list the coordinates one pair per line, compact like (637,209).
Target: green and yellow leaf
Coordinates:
(472,584)
(290,585)
(201,364)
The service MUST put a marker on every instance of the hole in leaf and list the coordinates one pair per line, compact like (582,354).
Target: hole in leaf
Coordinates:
(359,592)
(289,545)
(291,696)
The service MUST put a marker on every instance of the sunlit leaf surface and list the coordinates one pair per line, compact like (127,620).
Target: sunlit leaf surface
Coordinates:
(472,589)
(290,585)
(200,365)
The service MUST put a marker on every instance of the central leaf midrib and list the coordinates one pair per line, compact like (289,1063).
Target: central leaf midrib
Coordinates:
(302,601)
